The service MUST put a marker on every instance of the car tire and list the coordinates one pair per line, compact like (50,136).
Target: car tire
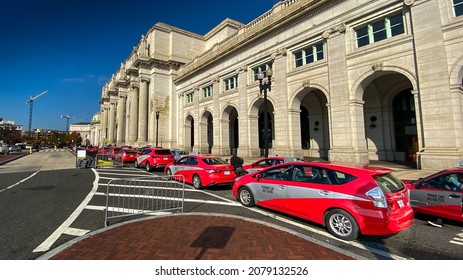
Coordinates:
(168,172)
(341,224)
(148,167)
(197,182)
(136,164)
(246,197)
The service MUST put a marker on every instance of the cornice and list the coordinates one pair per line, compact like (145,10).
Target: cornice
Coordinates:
(282,13)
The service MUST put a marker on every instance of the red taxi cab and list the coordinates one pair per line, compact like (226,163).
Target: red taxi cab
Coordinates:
(347,200)
(439,194)
(104,150)
(112,151)
(262,163)
(202,170)
(154,157)
(126,155)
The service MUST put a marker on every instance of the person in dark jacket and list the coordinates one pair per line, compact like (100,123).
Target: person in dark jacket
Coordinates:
(237,164)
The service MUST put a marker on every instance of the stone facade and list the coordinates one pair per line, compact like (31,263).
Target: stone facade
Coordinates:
(353,81)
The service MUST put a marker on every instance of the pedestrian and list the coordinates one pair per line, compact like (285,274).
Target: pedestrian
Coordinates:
(237,163)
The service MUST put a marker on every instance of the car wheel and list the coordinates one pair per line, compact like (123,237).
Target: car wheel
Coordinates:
(197,182)
(168,172)
(136,164)
(341,224)
(148,166)
(245,196)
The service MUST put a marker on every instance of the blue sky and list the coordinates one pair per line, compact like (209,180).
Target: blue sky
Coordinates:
(71,49)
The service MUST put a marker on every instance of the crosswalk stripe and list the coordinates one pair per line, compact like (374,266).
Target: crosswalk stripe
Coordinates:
(75,231)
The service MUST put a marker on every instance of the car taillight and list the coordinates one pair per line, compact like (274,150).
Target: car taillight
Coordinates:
(377,197)
(212,171)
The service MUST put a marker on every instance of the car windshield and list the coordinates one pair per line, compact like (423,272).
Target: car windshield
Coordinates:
(214,161)
(432,175)
(389,183)
(162,152)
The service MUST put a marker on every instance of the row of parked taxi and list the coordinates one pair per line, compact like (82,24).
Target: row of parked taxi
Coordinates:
(347,199)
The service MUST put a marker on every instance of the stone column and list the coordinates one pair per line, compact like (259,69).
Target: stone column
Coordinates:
(281,142)
(179,133)
(120,120)
(436,101)
(133,118)
(143,112)
(246,131)
(104,124)
(347,133)
(360,152)
(112,122)
(216,139)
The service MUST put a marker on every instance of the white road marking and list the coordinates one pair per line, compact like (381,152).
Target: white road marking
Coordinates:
(64,226)
(163,188)
(456,242)
(23,180)
(125,210)
(201,201)
(129,172)
(76,231)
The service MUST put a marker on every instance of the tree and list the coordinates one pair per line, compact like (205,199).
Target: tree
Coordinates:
(73,138)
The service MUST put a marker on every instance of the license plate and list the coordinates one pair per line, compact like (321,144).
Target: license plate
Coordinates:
(401,203)
(226,172)
(165,158)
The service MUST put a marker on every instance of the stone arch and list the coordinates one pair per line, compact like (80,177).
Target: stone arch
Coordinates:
(368,76)
(382,129)
(189,132)
(256,115)
(206,131)
(229,128)
(310,122)
(456,73)
(297,93)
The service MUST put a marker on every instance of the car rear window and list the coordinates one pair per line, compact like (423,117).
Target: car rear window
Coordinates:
(389,183)
(130,151)
(213,161)
(342,178)
(162,152)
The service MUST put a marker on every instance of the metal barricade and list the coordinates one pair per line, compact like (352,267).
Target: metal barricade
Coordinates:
(144,195)
(106,161)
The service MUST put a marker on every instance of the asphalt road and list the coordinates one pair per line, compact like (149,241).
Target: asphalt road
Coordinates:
(46,201)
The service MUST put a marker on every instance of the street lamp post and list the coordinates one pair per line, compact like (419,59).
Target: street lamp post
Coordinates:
(264,86)
(157,127)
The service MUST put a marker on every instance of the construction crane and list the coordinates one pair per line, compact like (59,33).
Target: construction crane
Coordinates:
(67,117)
(31,102)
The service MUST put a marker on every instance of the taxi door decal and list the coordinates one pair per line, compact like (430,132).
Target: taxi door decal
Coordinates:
(438,202)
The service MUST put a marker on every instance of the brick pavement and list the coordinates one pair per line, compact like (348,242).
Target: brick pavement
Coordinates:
(196,236)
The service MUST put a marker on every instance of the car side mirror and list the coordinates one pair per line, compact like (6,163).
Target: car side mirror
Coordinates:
(259,176)
(420,183)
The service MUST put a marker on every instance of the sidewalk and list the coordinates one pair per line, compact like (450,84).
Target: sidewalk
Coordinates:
(196,237)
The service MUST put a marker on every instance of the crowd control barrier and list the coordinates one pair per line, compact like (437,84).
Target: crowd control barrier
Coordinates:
(144,195)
